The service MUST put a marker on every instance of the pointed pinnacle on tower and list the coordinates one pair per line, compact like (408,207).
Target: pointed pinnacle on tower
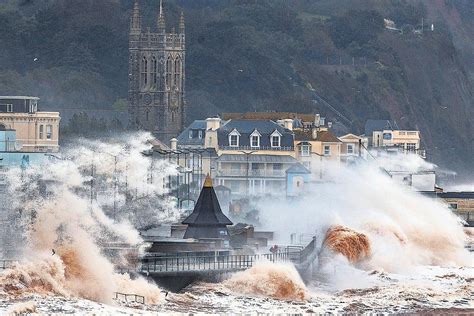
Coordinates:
(161,19)
(181,23)
(135,22)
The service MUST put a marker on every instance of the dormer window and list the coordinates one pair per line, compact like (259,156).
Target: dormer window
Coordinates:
(275,139)
(200,134)
(190,135)
(255,139)
(234,138)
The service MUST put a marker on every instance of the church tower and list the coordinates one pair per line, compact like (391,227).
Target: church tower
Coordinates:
(156,99)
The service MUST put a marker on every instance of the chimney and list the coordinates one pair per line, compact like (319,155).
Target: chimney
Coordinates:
(174,144)
(213,123)
(314,133)
(288,124)
(329,124)
(317,119)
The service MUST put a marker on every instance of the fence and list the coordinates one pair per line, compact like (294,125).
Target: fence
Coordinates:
(211,263)
(129,298)
(5,264)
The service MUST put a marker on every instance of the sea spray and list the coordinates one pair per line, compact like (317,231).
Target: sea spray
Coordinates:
(64,223)
(404,228)
(276,280)
(353,245)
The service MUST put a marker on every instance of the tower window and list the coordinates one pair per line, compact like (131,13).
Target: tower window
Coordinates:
(154,68)
(177,72)
(144,72)
(41,131)
(169,69)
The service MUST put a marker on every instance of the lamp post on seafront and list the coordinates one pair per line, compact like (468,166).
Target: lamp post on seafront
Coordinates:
(320,164)
(247,154)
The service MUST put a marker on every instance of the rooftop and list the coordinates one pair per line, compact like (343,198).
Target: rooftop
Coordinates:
(322,136)
(17,97)
(274,116)
(379,125)
(183,138)
(248,126)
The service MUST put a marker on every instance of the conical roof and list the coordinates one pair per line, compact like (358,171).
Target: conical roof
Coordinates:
(207,211)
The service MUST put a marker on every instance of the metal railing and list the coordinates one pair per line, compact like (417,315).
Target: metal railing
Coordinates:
(281,148)
(129,298)
(5,264)
(251,173)
(211,263)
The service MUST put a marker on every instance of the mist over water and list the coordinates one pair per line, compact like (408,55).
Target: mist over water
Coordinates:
(64,218)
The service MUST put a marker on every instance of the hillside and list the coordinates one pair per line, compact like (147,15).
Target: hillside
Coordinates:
(261,55)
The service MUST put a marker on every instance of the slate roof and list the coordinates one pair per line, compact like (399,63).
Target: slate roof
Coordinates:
(379,125)
(323,136)
(246,127)
(298,168)
(207,212)
(183,138)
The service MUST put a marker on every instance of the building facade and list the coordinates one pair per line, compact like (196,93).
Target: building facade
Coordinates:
(156,93)
(353,147)
(35,131)
(316,148)
(387,136)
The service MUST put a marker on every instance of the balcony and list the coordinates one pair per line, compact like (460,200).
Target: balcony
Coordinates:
(262,173)
(284,148)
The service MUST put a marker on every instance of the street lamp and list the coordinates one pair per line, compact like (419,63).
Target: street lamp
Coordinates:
(320,164)
(247,154)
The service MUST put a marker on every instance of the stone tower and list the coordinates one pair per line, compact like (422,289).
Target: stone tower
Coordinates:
(156,76)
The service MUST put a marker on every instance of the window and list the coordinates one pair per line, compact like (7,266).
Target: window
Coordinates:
(169,69)
(144,72)
(177,72)
(327,150)
(190,135)
(350,148)
(411,147)
(453,206)
(305,150)
(234,140)
(41,131)
(254,141)
(49,131)
(9,107)
(275,141)
(200,134)
(154,68)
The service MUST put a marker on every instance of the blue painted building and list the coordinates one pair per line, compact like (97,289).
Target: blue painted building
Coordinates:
(297,176)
